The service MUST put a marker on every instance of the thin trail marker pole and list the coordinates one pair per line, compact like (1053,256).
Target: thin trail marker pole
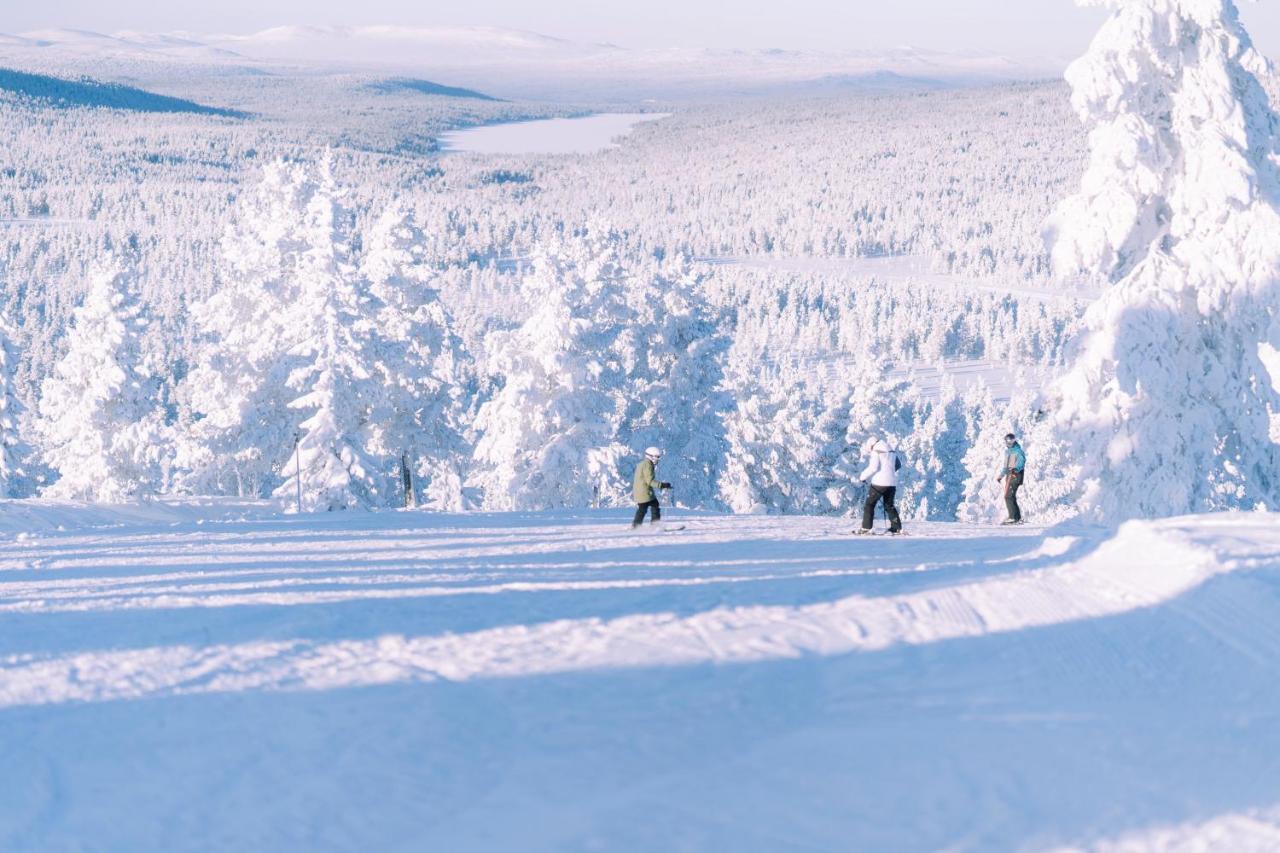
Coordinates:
(406,482)
(297,468)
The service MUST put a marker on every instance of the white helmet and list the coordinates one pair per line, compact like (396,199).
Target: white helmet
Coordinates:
(653,453)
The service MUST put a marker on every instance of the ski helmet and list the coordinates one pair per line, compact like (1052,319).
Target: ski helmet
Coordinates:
(653,453)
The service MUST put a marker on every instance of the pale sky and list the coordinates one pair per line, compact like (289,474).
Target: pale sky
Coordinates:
(1022,28)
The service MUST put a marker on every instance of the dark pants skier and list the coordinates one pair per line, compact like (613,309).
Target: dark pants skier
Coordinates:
(650,506)
(875,494)
(1012,482)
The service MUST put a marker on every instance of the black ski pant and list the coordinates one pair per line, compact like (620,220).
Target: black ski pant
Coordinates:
(650,506)
(1012,482)
(875,494)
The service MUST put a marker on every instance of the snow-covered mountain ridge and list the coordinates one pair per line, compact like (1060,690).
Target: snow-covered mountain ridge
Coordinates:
(536,63)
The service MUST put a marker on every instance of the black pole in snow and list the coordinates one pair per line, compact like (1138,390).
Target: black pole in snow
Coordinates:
(406,481)
(297,466)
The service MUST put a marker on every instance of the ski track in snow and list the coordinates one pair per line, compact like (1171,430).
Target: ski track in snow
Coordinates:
(550,682)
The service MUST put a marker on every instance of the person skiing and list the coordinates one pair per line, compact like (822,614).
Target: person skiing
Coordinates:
(1013,472)
(882,475)
(645,489)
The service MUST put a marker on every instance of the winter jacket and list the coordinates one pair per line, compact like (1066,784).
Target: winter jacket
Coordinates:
(882,470)
(646,482)
(1014,460)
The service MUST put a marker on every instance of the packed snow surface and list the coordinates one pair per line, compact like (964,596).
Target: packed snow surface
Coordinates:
(216,676)
(583,135)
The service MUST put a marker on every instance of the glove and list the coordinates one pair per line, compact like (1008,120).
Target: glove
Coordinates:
(665,485)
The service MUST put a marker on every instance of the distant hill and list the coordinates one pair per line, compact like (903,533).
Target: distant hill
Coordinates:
(426,87)
(85,92)
(515,64)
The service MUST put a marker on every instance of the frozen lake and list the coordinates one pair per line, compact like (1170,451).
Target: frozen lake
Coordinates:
(547,136)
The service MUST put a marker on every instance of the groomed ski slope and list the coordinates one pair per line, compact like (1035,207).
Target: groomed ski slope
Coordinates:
(217,677)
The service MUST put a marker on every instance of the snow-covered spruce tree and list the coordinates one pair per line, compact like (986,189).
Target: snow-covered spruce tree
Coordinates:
(419,363)
(333,326)
(548,437)
(773,448)
(1166,408)
(99,424)
(1052,465)
(883,405)
(239,429)
(933,450)
(750,453)
(673,352)
(795,436)
(985,425)
(13,450)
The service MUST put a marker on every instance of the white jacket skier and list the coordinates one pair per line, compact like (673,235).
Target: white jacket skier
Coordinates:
(882,469)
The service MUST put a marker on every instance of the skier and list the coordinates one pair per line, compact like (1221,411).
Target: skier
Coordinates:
(646,487)
(1013,472)
(882,472)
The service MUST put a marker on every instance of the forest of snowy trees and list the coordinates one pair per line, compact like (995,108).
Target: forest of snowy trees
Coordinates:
(337,348)
(223,305)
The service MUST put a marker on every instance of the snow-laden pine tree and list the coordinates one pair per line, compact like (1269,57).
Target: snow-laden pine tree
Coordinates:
(673,351)
(794,437)
(332,324)
(932,451)
(746,484)
(13,450)
(419,363)
(99,424)
(1166,408)
(548,437)
(883,405)
(773,448)
(985,426)
(240,430)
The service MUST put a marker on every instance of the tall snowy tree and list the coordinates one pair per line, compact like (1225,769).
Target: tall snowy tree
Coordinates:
(13,450)
(773,446)
(1166,408)
(333,325)
(933,450)
(419,363)
(99,424)
(884,405)
(673,351)
(240,431)
(548,437)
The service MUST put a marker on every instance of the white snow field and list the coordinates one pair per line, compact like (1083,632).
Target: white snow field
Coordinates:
(213,676)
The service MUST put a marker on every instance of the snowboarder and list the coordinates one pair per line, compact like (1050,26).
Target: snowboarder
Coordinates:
(1013,472)
(882,475)
(645,490)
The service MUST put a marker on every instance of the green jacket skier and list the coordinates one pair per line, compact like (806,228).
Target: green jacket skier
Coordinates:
(646,485)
